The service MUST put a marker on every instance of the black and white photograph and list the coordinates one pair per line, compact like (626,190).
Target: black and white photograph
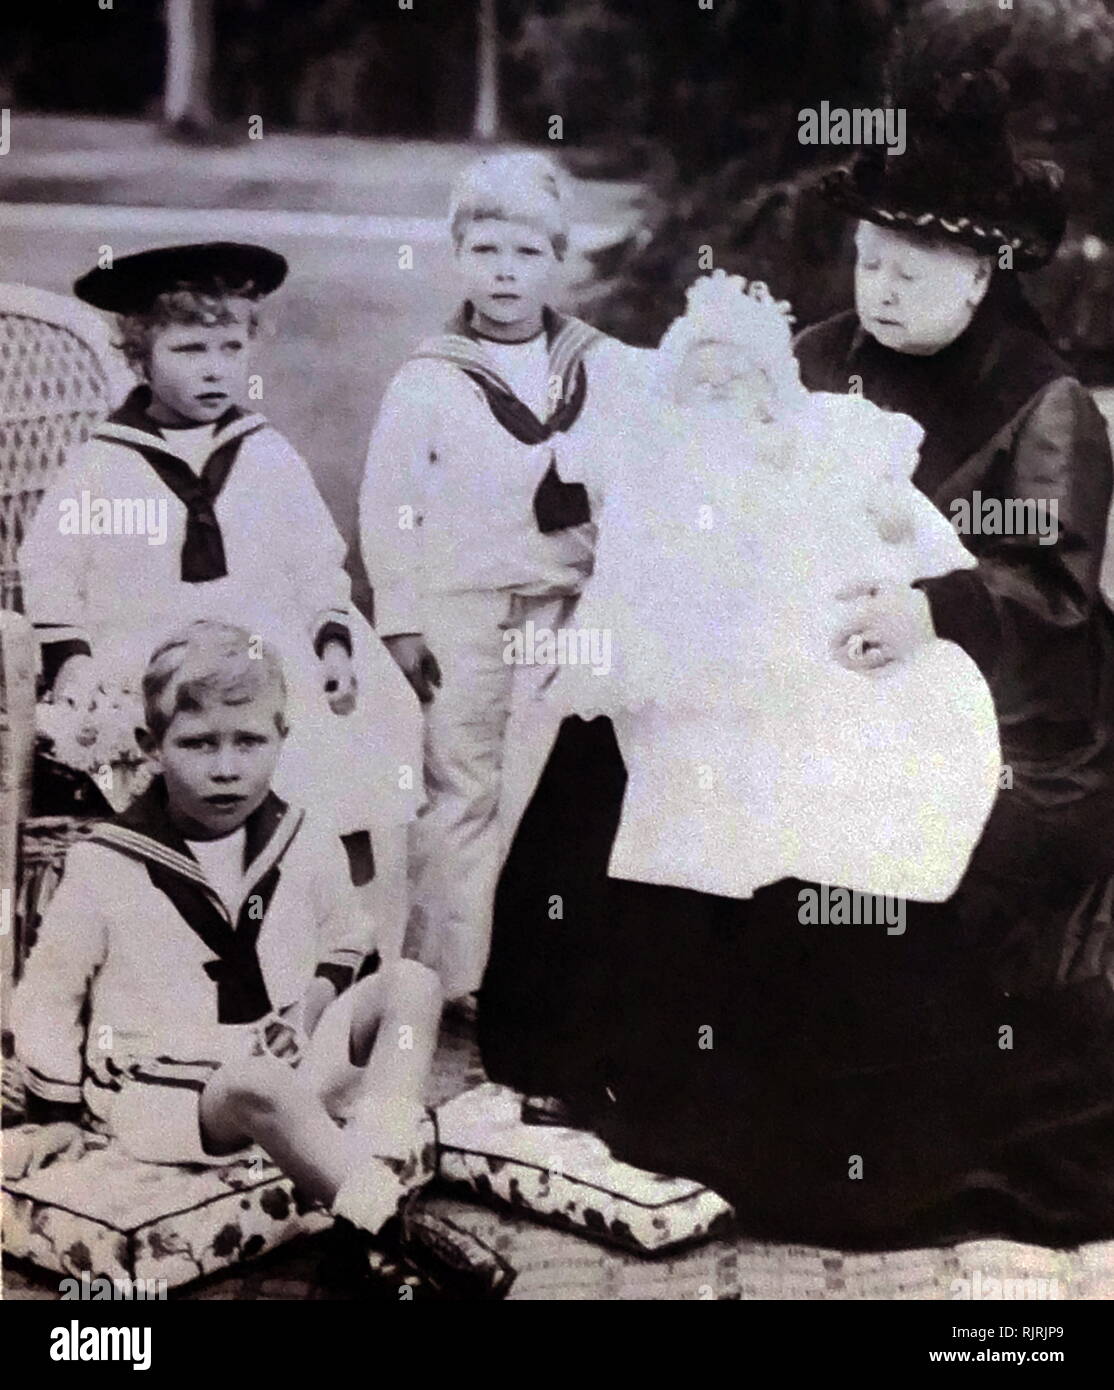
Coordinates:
(556,664)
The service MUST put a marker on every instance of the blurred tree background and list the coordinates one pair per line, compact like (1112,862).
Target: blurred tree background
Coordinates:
(705,105)
(701,104)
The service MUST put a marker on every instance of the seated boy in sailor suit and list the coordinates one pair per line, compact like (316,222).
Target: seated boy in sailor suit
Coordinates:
(247,539)
(475,523)
(213,936)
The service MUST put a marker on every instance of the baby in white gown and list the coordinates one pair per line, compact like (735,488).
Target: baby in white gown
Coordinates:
(782,704)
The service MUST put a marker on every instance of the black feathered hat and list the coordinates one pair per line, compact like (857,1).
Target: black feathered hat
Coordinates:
(959,176)
(133,283)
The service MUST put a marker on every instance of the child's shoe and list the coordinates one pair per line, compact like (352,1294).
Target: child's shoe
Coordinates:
(452,1262)
(355,1265)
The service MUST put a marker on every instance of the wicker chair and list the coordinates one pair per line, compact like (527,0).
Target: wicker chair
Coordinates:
(58,379)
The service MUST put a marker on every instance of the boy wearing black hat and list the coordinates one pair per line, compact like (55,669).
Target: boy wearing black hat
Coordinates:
(249,540)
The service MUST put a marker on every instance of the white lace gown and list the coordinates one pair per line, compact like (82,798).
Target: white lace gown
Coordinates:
(752,754)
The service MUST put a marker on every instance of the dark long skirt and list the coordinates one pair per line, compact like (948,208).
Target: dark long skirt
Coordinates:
(857,1085)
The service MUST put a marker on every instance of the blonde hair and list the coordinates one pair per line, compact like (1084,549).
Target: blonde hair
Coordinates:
(205,663)
(516,187)
(183,306)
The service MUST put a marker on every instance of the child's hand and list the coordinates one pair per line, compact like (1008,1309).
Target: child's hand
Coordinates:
(34,1146)
(276,1038)
(417,663)
(340,678)
(882,624)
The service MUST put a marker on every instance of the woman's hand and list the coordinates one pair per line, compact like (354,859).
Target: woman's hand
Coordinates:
(340,678)
(34,1146)
(881,624)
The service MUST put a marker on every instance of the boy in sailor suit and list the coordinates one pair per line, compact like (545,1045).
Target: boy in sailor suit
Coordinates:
(247,540)
(213,935)
(472,529)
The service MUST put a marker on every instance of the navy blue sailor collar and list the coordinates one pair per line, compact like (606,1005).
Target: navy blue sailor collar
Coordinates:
(568,340)
(203,557)
(131,423)
(145,831)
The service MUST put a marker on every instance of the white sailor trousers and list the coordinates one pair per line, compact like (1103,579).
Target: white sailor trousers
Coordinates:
(486,739)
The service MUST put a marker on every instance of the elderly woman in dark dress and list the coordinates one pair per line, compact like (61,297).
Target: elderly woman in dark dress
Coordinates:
(860,1089)
(942,332)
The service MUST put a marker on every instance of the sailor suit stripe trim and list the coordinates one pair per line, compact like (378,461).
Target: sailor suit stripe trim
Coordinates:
(213,533)
(568,348)
(194,1076)
(113,431)
(143,847)
(136,968)
(51,1088)
(569,340)
(203,546)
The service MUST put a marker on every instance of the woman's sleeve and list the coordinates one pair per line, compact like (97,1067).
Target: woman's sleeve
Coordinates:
(1032,592)
(391,508)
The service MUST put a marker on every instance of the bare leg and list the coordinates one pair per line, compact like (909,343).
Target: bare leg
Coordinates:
(393,1034)
(263,1101)
(394,1028)
(394,1015)
(390,1038)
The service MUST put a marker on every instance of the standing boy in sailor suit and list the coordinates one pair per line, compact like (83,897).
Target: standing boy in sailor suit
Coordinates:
(474,521)
(247,540)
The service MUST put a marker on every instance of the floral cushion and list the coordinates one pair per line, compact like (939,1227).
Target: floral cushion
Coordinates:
(568,1178)
(541,1265)
(111,1215)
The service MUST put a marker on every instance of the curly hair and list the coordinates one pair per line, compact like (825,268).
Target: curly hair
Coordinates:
(208,308)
